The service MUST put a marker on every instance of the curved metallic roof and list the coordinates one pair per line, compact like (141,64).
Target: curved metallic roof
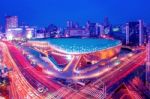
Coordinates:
(80,46)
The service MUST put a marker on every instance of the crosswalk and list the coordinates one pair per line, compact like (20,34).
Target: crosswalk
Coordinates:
(98,94)
(135,95)
(59,94)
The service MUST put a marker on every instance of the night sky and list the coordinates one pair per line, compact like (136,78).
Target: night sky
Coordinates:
(43,12)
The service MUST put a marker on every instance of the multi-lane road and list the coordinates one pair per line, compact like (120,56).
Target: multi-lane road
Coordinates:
(108,79)
(28,83)
(19,87)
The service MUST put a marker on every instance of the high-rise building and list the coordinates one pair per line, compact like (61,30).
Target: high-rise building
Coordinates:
(41,33)
(51,30)
(77,32)
(97,29)
(146,33)
(69,24)
(117,32)
(94,29)
(134,33)
(141,34)
(148,64)
(107,26)
(74,30)
(101,30)
(127,33)
(11,22)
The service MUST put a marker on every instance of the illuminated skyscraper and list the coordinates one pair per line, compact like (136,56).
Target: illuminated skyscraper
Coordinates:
(127,33)
(107,26)
(93,29)
(11,22)
(148,65)
(134,33)
(141,39)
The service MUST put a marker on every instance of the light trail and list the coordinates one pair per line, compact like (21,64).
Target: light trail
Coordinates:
(19,87)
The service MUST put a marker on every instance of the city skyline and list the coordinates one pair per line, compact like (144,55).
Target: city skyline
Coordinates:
(81,49)
(41,14)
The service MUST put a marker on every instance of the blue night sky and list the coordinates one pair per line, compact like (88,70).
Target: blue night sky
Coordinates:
(43,12)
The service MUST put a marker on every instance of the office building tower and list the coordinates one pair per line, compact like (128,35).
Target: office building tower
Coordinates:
(69,24)
(117,32)
(101,30)
(148,64)
(127,33)
(51,30)
(11,22)
(93,28)
(134,33)
(107,26)
(77,32)
(141,39)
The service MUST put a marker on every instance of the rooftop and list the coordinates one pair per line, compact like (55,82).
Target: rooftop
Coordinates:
(80,46)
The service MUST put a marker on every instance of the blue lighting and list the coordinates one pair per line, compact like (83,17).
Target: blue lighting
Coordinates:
(74,45)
